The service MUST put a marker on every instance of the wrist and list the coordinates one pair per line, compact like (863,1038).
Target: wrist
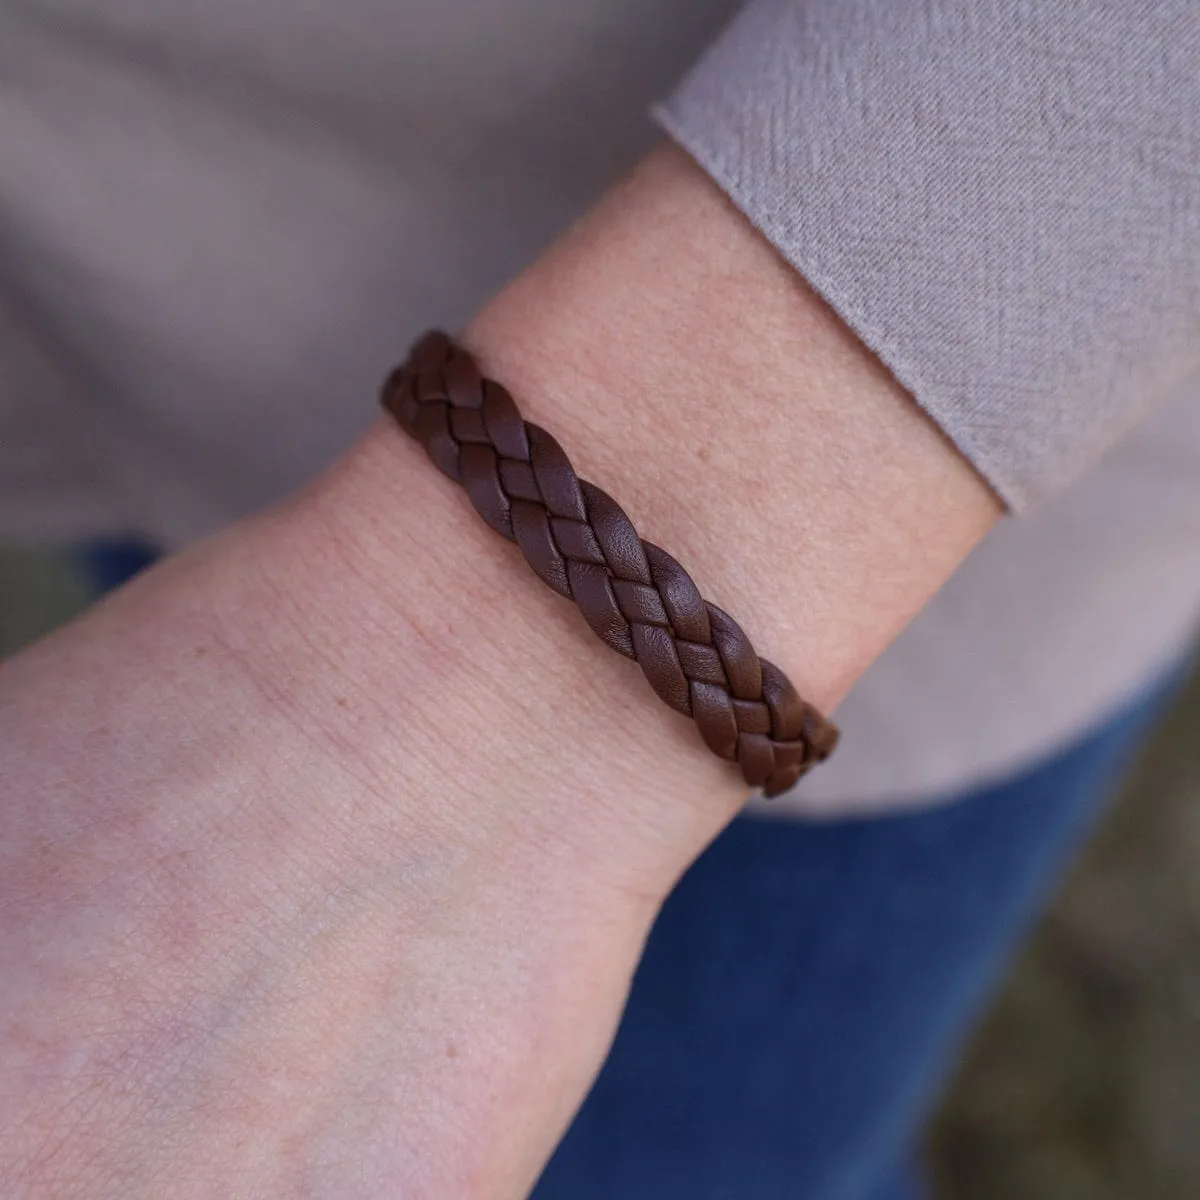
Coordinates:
(743,428)
(284,921)
(505,711)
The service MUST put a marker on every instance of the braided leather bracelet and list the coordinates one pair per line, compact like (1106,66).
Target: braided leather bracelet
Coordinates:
(636,597)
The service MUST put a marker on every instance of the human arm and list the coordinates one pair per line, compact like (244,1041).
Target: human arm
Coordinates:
(330,845)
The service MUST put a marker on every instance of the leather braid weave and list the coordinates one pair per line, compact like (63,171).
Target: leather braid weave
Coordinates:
(636,597)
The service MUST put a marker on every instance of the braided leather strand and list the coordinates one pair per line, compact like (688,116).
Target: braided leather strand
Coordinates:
(635,596)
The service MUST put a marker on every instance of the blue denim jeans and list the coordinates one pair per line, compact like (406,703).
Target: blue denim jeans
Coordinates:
(806,988)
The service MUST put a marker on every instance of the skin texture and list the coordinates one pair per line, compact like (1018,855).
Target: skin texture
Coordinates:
(330,845)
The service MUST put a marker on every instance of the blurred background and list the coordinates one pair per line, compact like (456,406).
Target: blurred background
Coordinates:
(1083,1083)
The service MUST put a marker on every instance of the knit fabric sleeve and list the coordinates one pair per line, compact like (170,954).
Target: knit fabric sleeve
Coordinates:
(1000,197)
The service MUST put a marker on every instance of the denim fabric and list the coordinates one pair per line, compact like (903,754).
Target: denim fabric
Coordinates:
(106,563)
(806,988)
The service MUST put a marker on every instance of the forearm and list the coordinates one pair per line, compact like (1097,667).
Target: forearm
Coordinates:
(691,373)
(335,838)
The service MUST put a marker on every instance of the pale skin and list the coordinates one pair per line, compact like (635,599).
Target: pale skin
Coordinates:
(329,846)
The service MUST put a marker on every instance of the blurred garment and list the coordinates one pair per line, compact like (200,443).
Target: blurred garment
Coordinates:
(806,989)
(223,222)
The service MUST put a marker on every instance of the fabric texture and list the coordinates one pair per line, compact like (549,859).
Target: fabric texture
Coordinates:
(221,224)
(1001,199)
(806,989)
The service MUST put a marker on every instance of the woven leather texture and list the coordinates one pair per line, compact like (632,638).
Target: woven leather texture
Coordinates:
(634,595)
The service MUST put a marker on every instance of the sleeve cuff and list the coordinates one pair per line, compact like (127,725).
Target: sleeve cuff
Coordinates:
(1001,200)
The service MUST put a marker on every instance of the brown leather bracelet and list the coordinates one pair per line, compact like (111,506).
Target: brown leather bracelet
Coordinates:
(636,597)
